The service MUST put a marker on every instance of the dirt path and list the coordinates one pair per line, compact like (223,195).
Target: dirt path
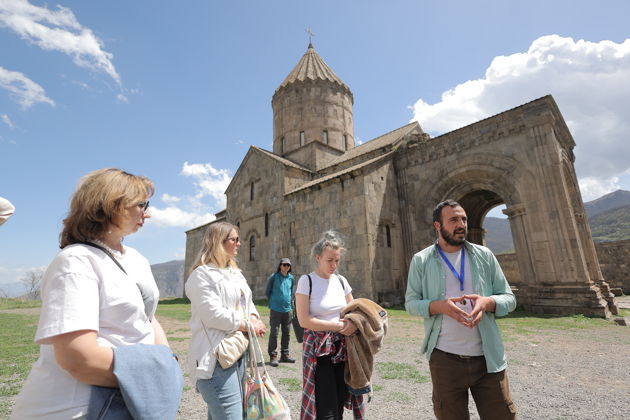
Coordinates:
(554,374)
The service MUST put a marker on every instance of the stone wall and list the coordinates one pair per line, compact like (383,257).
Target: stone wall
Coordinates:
(614,260)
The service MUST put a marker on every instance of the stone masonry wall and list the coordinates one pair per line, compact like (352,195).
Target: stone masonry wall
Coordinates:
(614,260)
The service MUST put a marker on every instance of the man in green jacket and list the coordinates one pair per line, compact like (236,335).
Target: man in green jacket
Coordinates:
(459,289)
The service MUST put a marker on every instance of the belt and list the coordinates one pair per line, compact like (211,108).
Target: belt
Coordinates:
(457,355)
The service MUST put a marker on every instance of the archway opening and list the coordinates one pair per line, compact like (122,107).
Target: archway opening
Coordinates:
(488,226)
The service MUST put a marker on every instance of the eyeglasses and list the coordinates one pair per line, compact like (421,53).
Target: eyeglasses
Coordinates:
(235,240)
(285,265)
(144,205)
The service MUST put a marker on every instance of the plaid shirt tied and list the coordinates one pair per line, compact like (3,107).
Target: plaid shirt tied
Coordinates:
(317,344)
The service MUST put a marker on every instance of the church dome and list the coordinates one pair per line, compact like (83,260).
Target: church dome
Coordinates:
(312,67)
(312,113)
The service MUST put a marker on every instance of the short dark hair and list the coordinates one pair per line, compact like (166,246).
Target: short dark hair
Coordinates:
(437,211)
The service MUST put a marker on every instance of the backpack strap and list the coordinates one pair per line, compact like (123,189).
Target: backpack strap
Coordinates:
(310,285)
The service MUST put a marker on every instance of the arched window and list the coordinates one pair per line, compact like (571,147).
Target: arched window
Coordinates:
(251,192)
(388,235)
(252,248)
(266,224)
(325,136)
(302,138)
(345,142)
(283,146)
(238,225)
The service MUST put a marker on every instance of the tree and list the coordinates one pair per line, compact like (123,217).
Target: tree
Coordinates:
(32,280)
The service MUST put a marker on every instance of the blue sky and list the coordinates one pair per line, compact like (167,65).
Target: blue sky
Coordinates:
(178,91)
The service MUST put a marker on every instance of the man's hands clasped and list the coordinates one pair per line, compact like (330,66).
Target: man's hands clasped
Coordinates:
(452,307)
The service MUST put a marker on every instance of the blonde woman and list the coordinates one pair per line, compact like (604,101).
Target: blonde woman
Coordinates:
(221,302)
(98,296)
(319,298)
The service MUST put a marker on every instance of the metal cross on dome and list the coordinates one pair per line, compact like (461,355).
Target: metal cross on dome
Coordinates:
(310,33)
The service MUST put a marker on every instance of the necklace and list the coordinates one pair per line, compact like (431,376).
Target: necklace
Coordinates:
(111,250)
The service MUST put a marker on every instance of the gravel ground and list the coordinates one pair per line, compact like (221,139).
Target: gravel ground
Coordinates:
(554,374)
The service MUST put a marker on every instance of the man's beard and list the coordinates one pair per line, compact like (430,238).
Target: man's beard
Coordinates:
(450,239)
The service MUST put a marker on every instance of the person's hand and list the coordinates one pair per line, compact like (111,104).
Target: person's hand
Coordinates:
(450,308)
(258,326)
(348,327)
(481,305)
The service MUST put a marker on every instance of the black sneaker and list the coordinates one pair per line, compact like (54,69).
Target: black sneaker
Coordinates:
(286,359)
(273,361)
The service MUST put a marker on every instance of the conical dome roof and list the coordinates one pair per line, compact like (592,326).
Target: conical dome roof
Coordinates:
(311,67)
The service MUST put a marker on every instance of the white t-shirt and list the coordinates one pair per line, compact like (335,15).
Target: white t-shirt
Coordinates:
(83,289)
(328,297)
(454,337)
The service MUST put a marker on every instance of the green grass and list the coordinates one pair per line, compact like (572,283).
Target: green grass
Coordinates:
(179,311)
(19,303)
(17,355)
(524,323)
(404,371)
(292,384)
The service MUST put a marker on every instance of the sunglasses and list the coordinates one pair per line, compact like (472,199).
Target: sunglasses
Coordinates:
(285,265)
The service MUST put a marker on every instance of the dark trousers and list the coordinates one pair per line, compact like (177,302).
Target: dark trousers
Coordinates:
(331,390)
(279,319)
(454,375)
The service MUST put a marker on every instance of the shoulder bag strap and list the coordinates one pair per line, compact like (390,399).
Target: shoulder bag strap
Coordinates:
(106,251)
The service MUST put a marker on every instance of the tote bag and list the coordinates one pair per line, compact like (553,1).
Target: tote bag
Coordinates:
(261,399)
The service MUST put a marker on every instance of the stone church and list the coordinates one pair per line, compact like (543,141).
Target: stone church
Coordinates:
(380,195)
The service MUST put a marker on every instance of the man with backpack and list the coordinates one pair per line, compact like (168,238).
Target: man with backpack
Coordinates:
(279,291)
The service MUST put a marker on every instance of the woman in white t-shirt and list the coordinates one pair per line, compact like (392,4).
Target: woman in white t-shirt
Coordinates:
(319,298)
(89,304)
(221,302)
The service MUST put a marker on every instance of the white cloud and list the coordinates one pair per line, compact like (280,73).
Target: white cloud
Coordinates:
(208,181)
(176,217)
(590,82)
(5,119)
(57,30)
(24,90)
(192,211)
(122,98)
(170,199)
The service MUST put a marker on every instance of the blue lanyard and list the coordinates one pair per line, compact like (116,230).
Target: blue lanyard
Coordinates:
(460,275)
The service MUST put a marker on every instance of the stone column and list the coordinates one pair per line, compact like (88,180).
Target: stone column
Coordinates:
(477,236)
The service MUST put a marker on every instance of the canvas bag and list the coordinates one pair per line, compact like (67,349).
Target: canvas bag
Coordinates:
(261,399)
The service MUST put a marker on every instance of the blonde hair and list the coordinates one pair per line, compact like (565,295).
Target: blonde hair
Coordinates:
(212,250)
(99,201)
(330,240)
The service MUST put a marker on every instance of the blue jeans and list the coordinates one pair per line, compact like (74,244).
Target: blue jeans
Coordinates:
(224,392)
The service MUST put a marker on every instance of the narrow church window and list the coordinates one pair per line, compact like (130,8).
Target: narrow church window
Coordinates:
(388,235)
(302,138)
(325,136)
(238,225)
(283,146)
(252,248)
(345,142)
(266,224)
(251,192)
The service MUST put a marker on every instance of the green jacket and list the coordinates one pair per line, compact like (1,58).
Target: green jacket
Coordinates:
(426,282)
